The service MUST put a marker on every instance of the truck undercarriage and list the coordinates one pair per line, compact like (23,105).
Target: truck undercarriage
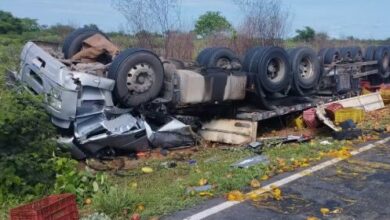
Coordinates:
(129,101)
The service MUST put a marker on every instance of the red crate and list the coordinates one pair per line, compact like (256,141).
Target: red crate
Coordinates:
(53,207)
(332,108)
(310,118)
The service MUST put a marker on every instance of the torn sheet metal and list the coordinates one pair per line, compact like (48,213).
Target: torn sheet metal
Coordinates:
(121,124)
(321,115)
(229,131)
(173,134)
(369,102)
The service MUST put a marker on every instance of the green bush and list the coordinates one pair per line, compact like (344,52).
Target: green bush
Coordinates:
(25,146)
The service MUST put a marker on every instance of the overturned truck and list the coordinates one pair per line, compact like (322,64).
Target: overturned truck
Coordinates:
(106,101)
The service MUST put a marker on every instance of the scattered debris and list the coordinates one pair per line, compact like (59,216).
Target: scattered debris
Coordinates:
(310,119)
(325,142)
(251,161)
(94,48)
(343,114)
(192,190)
(255,183)
(235,196)
(255,145)
(168,164)
(344,152)
(276,193)
(202,182)
(97,216)
(209,194)
(229,131)
(173,134)
(348,134)
(135,216)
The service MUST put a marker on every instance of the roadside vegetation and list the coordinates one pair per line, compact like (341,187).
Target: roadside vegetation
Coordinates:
(32,166)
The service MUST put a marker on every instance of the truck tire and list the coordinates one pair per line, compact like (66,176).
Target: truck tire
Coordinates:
(383,57)
(138,75)
(253,63)
(247,58)
(201,56)
(73,42)
(369,53)
(329,55)
(305,67)
(346,53)
(217,57)
(273,69)
(357,53)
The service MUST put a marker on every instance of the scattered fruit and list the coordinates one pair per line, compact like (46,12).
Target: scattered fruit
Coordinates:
(255,183)
(235,196)
(147,170)
(276,193)
(202,182)
(324,211)
(88,201)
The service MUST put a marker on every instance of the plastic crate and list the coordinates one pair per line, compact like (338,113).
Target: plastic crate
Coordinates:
(332,108)
(355,114)
(385,93)
(53,207)
(299,123)
(310,118)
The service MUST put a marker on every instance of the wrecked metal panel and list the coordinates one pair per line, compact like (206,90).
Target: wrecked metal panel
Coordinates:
(369,102)
(121,124)
(229,131)
(68,94)
(94,81)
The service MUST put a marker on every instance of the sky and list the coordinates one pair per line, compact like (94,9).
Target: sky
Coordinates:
(339,18)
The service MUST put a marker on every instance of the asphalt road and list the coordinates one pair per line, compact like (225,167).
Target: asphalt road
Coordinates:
(357,188)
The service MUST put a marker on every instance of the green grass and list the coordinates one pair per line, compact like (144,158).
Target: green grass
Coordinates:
(164,191)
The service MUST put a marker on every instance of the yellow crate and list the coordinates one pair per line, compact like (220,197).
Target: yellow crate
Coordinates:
(385,93)
(355,114)
(298,122)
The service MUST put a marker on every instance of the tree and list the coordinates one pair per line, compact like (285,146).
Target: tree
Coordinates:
(11,24)
(307,34)
(265,22)
(149,16)
(211,22)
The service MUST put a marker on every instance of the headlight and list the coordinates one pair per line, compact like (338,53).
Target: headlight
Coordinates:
(54,99)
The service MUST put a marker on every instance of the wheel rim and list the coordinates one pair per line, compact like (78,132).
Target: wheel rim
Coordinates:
(223,63)
(306,68)
(276,70)
(140,78)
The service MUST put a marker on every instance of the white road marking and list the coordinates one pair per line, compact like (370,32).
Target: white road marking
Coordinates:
(225,205)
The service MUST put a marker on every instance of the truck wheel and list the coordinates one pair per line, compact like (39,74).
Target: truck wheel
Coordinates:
(329,55)
(369,53)
(346,53)
(305,67)
(138,75)
(74,41)
(357,53)
(383,57)
(221,57)
(248,57)
(201,56)
(273,69)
